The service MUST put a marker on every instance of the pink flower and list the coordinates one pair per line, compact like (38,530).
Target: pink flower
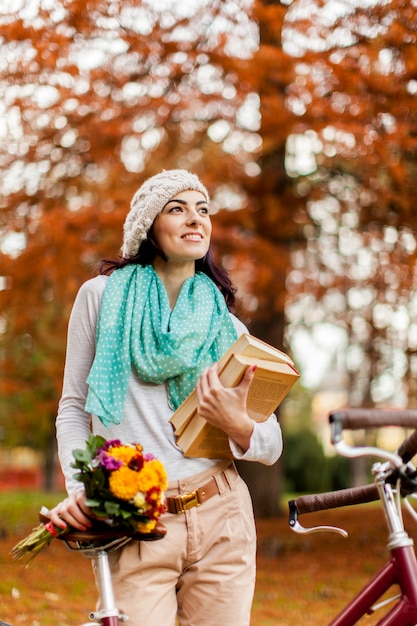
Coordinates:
(108,462)
(51,529)
(111,443)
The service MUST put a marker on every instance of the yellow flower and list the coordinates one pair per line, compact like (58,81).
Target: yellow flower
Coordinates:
(123,453)
(124,483)
(146,527)
(153,474)
(139,501)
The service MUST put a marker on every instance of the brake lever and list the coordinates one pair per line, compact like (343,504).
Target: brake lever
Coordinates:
(298,528)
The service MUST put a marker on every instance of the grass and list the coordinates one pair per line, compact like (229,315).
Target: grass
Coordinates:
(55,589)
(20,507)
(303,580)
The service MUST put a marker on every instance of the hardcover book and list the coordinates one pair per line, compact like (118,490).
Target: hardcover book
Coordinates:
(274,377)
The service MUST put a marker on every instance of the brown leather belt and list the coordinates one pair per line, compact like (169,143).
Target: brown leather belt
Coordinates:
(181,503)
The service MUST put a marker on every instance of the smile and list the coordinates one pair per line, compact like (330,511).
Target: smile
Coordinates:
(193,237)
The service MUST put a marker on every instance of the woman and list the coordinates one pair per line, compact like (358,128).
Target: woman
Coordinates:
(139,341)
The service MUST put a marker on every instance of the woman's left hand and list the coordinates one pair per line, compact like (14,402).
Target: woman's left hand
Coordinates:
(225,407)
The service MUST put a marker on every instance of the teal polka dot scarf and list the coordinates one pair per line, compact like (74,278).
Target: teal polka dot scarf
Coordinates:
(136,328)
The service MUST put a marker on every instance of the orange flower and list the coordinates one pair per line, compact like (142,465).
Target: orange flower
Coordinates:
(124,483)
(153,473)
(125,454)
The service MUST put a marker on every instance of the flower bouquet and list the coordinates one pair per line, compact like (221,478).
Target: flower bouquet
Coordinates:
(124,488)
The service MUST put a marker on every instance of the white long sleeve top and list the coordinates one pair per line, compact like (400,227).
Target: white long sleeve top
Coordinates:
(146,413)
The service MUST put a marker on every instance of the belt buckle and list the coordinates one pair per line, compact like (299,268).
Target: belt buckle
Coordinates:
(187,501)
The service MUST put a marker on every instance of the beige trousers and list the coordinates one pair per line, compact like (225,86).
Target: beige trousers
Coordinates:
(203,572)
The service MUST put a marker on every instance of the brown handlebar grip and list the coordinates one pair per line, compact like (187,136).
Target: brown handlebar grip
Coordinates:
(335,499)
(355,419)
(408,448)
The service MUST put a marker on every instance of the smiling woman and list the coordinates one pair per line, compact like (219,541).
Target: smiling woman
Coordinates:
(142,336)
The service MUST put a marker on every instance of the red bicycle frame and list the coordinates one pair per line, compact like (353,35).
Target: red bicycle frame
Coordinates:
(400,570)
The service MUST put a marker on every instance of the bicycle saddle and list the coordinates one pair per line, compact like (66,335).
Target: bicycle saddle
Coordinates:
(101,532)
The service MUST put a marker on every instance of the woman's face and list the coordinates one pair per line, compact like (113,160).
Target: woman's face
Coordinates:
(183,228)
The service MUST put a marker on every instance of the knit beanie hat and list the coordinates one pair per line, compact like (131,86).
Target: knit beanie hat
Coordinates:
(148,202)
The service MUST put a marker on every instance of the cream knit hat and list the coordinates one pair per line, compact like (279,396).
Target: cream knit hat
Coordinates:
(148,202)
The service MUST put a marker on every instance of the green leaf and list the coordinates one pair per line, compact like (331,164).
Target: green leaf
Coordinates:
(91,502)
(112,508)
(94,442)
(99,513)
(83,456)
(99,479)
(126,514)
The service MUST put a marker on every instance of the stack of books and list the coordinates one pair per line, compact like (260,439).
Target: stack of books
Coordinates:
(275,375)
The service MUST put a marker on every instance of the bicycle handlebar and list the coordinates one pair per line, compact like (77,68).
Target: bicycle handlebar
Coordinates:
(332,500)
(408,448)
(356,419)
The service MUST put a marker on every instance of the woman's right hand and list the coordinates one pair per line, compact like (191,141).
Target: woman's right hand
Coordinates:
(72,512)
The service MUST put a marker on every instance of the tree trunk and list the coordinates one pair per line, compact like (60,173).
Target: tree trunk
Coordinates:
(265,486)
(265,483)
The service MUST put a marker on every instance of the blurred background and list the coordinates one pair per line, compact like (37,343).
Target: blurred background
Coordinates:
(299,116)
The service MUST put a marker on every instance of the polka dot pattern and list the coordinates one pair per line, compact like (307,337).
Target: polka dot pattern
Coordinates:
(137,328)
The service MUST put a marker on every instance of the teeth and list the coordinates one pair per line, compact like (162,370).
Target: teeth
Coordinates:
(193,237)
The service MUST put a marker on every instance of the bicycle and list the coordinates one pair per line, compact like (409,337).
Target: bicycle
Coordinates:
(395,480)
(95,544)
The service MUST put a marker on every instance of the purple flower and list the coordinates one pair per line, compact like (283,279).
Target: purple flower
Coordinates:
(108,462)
(111,443)
(149,457)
